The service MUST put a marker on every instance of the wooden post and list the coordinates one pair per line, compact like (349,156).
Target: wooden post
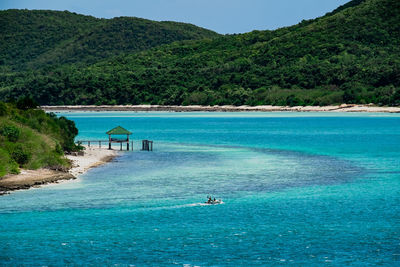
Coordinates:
(127,146)
(99,144)
(121,146)
(132,145)
(151,146)
(89,143)
(109,145)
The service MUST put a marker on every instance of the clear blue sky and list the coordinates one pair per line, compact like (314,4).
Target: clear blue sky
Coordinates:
(223,16)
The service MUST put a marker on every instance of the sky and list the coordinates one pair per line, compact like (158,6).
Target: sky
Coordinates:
(222,16)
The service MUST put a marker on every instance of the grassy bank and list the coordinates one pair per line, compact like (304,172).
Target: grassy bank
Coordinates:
(32,139)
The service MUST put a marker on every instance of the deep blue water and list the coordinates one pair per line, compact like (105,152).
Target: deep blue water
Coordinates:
(298,188)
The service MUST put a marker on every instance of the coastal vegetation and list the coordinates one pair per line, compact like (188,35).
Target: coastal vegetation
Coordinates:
(32,139)
(350,55)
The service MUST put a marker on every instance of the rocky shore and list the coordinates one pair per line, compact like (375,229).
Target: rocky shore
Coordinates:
(32,178)
(148,108)
(92,157)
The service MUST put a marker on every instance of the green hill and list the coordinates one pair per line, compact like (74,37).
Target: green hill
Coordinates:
(32,139)
(351,55)
(34,38)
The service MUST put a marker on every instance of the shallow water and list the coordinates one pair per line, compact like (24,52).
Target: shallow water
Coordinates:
(299,188)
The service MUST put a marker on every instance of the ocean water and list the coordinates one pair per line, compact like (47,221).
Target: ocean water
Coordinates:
(298,188)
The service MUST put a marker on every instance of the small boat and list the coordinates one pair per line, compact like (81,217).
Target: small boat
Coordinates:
(213,201)
(216,202)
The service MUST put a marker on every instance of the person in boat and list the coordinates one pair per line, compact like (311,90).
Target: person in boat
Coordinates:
(209,200)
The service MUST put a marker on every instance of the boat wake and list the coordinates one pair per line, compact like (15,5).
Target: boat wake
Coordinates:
(196,205)
(218,202)
(201,204)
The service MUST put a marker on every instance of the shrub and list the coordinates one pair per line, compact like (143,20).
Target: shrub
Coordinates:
(197,98)
(292,101)
(59,149)
(11,132)
(20,156)
(68,132)
(3,109)
(14,169)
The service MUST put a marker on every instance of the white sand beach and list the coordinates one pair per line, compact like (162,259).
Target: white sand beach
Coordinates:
(194,108)
(92,157)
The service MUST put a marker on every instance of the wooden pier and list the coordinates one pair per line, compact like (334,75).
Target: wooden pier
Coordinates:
(147,145)
(103,143)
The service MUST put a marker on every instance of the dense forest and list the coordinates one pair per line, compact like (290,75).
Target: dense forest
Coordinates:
(32,139)
(38,38)
(350,55)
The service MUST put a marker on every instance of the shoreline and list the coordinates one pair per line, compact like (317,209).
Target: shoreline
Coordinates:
(227,108)
(93,157)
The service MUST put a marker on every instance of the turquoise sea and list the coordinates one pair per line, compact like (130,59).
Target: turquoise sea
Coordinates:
(298,188)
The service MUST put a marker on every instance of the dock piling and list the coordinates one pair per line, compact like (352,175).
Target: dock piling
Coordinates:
(147,145)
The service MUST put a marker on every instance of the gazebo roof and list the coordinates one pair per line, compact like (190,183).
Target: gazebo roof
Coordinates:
(118,131)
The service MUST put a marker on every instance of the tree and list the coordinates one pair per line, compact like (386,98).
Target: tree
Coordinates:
(26,103)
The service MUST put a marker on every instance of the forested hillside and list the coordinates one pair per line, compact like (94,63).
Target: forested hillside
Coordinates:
(36,38)
(351,55)
(32,139)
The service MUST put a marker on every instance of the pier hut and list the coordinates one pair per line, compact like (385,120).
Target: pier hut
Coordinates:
(114,136)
